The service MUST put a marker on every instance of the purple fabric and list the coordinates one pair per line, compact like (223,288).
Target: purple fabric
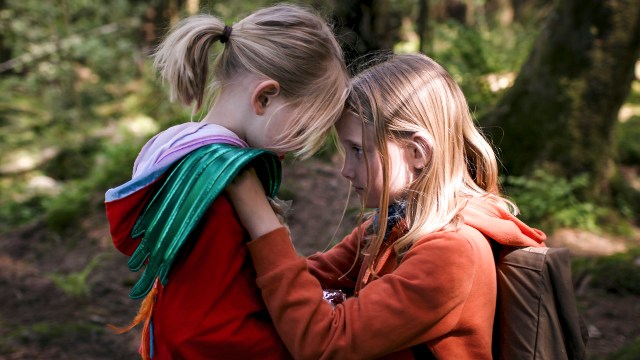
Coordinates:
(177,141)
(167,147)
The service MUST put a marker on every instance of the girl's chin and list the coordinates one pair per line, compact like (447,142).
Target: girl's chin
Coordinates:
(367,203)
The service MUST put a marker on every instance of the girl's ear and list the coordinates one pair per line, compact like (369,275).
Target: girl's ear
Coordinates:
(420,151)
(263,95)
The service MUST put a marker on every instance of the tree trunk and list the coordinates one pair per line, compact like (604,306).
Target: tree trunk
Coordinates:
(365,26)
(5,49)
(562,109)
(422,25)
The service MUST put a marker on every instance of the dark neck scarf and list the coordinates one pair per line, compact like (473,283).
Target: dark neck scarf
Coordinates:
(396,213)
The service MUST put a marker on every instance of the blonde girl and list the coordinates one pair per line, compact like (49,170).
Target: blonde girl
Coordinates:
(277,83)
(420,273)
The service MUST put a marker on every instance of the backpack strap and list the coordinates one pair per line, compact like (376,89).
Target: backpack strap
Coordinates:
(178,206)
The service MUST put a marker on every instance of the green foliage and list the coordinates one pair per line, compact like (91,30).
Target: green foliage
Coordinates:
(77,101)
(75,284)
(61,53)
(634,95)
(628,352)
(64,210)
(68,60)
(112,166)
(626,198)
(472,54)
(71,162)
(18,203)
(617,273)
(548,202)
(69,198)
(114,163)
(465,48)
(628,133)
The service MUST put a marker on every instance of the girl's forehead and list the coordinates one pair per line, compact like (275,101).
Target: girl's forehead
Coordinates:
(350,128)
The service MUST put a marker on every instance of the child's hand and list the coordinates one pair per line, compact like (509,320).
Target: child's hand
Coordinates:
(251,204)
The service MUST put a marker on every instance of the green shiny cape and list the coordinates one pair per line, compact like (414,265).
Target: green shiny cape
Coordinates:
(178,206)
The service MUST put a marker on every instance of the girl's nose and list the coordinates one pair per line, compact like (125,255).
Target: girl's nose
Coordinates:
(347,171)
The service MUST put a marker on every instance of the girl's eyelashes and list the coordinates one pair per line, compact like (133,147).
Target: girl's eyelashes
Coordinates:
(357,150)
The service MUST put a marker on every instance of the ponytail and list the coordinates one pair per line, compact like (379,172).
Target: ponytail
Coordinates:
(183,57)
(286,43)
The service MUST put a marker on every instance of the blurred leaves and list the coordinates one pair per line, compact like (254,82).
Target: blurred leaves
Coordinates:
(618,273)
(627,352)
(628,141)
(78,99)
(76,284)
(550,202)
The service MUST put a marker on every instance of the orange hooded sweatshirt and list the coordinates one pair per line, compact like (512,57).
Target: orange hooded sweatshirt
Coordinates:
(441,293)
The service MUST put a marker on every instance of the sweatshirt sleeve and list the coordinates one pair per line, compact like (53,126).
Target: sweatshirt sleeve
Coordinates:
(420,301)
(338,267)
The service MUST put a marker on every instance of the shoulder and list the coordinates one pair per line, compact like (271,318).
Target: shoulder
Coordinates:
(464,247)
(442,247)
(462,239)
(453,261)
(445,265)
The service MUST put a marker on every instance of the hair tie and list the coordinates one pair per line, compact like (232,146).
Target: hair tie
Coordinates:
(226,32)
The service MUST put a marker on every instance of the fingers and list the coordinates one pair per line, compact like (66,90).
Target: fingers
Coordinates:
(281,208)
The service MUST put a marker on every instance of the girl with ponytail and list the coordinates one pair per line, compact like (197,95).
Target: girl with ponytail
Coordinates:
(272,83)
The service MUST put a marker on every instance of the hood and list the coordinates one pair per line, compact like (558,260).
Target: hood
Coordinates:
(500,225)
(167,147)
(125,203)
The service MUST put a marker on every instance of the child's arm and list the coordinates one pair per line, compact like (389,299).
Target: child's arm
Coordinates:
(413,307)
(395,312)
(334,269)
(338,267)
(251,203)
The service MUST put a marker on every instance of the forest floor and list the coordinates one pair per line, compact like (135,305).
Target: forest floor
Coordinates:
(59,292)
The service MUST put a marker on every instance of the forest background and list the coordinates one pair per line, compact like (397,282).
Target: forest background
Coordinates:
(555,84)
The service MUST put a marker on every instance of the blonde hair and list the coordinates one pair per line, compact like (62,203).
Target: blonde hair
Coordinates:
(411,95)
(286,43)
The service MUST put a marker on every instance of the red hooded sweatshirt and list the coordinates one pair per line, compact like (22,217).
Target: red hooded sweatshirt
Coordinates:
(211,307)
